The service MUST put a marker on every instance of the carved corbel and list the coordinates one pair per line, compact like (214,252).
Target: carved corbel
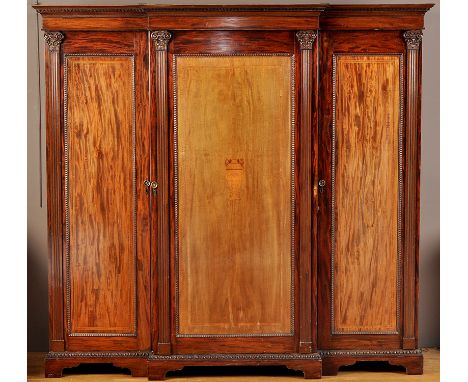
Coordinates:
(413,39)
(161,39)
(53,40)
(306,39)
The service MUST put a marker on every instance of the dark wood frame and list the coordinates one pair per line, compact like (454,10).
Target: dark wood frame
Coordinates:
(321,20)
(54,188)
(160,171)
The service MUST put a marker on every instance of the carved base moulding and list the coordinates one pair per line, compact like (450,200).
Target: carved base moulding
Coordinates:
(310,364)
(332,360)
(155,366)
(136,362)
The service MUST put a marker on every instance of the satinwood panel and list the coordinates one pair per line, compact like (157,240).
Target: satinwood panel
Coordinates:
(366,193)
(234,192)
(101,194)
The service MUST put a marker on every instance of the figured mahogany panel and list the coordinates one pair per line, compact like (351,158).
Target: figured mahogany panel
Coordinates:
(100,190)
(366,193)
(234,194)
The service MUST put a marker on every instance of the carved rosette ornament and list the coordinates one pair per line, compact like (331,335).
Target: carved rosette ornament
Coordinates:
(413,39)
(53,40)
(161,39)
(306,39)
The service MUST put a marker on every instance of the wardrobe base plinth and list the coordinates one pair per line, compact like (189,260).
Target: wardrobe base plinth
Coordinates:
(411,360)
(136,362)
(309,364)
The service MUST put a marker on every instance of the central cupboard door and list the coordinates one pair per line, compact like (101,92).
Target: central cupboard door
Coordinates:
(233,191)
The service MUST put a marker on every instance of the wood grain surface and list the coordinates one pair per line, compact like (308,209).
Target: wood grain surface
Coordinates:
(366,192)
(55,229)
(101,194)
(234,194)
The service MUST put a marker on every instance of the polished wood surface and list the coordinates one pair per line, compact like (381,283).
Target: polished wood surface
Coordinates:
(358,373)
(160,216)
(307,175)
(248,17)
(104,45)
(101,194)
(231,43)
(335,43)
(412,188)
(242,297)
(366,192)
(54,155)
(234,171)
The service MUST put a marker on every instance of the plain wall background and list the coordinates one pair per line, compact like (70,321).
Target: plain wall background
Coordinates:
(429,299)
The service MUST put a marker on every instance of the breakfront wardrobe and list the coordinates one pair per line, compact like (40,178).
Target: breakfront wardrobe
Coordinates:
(233,185)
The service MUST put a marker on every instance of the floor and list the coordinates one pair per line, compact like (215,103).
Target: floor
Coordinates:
(358,373)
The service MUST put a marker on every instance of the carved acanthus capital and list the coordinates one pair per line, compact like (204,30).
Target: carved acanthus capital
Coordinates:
(161,39)
(306,39)
(53,40)
(413,39)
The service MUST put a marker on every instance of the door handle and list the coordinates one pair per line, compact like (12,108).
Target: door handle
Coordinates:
(154,187)
(321,184)
(147,184)
(150,185)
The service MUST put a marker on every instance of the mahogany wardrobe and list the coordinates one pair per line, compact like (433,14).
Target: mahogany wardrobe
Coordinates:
(233,185)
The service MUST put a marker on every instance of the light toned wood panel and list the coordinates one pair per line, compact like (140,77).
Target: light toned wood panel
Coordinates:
(431,373)
(101,194)
(366,192)
(234,188)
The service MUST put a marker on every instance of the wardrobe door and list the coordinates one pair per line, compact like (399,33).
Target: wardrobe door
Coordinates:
(233,102)
(361,171)
(106,161)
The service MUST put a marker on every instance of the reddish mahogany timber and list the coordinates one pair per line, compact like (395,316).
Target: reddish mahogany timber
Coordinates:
(324,101)
(332,361)
(310,365)
(136,362)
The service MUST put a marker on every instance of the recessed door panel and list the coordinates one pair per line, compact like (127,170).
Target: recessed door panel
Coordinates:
(101,193)
(234,194)
(366,193)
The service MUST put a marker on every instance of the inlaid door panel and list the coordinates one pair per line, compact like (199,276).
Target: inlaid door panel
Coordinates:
(360,222)
(234,197)
(234,194)
(106,209)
